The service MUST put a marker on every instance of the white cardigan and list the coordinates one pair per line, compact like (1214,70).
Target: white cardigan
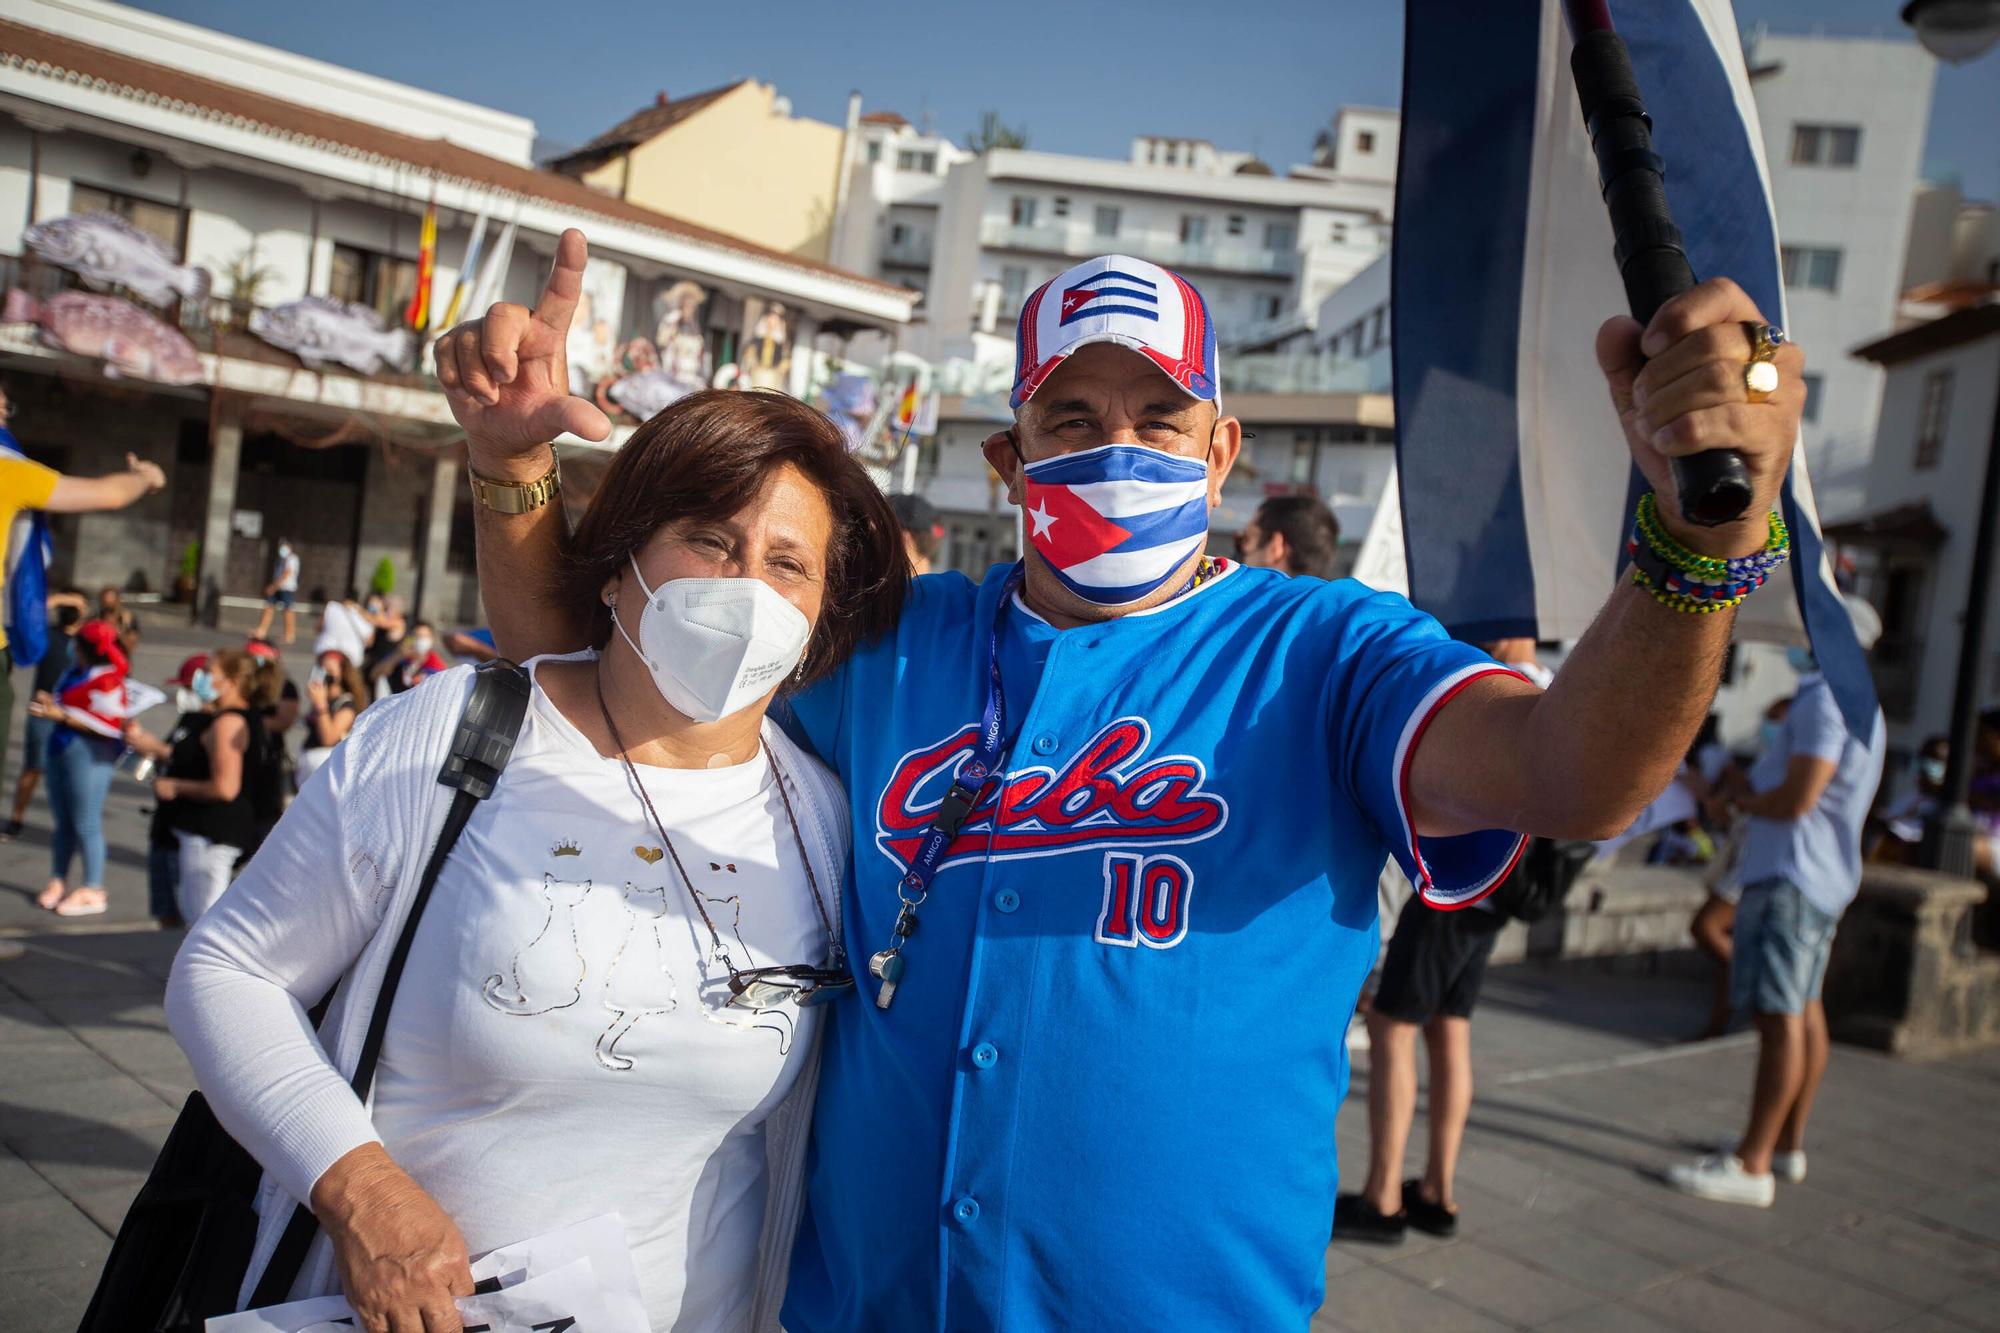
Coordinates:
(323,902)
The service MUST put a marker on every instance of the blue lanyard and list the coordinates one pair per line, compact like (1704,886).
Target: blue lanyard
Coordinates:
(988,753)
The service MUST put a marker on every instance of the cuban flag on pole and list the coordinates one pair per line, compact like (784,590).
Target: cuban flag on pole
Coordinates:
(1517,490)
(29,551)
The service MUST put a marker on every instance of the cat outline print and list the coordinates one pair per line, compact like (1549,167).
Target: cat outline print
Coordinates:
(549,965)
(715,985)
(638,982)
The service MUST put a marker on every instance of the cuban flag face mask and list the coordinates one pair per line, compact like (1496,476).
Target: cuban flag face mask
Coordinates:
(1116,522)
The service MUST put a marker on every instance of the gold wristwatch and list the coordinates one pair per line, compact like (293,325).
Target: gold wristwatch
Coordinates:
(517,497)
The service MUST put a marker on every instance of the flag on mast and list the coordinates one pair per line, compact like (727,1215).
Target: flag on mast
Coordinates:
(468,271)
(492,282)
(418,314)
(1517,489)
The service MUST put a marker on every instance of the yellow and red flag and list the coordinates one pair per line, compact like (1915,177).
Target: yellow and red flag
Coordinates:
(418,314)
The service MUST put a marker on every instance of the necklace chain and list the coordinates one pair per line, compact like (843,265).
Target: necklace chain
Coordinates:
(805,859)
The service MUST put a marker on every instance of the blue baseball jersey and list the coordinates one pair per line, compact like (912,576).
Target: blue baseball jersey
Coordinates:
(1104,1095)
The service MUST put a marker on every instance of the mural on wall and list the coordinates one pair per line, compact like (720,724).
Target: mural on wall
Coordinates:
(593,330)
(128,339)
(106,251)
(647,375)
(319,330)
(679,336)
(767,345)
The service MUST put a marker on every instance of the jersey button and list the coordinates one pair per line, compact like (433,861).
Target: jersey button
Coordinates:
(1045,744)
(1007,900)
(966,1210)
(986,1055)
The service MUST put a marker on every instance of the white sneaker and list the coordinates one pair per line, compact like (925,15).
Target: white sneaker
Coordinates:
(1357,1034)
(1789,1167)
(1723,1179)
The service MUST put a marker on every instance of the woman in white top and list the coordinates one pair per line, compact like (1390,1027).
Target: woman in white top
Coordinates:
(603,1009)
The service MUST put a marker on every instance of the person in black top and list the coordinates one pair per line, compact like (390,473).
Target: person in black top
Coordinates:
(35,745)
(206,790)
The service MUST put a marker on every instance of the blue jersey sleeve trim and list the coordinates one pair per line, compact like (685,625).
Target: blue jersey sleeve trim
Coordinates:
(1476,862)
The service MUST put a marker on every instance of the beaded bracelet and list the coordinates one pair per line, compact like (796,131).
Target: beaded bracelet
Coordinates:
(1685,580)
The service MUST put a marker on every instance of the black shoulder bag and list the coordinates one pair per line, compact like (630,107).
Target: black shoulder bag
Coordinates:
(186,1242)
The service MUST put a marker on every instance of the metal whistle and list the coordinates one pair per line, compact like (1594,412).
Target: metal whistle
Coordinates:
(888,966)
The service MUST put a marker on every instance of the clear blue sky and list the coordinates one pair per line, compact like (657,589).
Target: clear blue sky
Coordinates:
(1257,74)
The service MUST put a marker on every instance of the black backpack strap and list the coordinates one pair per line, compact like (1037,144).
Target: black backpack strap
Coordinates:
(485,739)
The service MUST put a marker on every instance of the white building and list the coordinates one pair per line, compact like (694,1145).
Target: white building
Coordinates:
(240,158)
(1844,120)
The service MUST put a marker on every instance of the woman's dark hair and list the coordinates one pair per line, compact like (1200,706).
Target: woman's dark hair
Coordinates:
(705,458)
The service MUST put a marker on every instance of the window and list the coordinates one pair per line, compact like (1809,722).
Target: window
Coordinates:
(1270,307)
(1235,226)
(1194,229)
(1280,237)
(163,222)
(1815,386)
(1826,145)
(1022,211)
(874,151)
(1813,267)
(899,232)
(1302,461)
(911,159)
(1378,327)
(1105,220)
(1933,417)
(1364,142)
(1173,154)
(1013,287)
(1060,206)
(381,282)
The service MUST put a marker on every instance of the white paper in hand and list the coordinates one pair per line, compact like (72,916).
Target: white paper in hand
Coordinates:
(602,1243)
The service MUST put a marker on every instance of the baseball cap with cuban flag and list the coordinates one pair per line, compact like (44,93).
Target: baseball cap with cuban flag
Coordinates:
(1118,299)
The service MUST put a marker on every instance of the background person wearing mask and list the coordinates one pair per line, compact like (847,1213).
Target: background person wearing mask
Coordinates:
(1297,534)
(1807,798)
(205,792)
(282,593)
(416,661)
(335,695)
(1903,820)
(89,709)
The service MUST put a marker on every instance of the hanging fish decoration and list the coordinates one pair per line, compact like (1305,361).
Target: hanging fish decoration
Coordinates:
(130,341)
(107,251)
(320,329)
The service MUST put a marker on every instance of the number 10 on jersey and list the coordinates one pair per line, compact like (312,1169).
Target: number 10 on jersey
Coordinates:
(1145,900)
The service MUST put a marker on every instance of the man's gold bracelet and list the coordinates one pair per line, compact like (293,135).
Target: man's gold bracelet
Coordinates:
(517,497)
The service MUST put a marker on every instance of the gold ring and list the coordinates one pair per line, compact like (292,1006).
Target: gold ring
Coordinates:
(1760,374)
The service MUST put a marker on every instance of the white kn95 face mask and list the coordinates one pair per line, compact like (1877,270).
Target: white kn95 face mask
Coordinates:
(715,646)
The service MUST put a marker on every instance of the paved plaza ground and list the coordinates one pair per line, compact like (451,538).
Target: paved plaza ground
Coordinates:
(1585,1092)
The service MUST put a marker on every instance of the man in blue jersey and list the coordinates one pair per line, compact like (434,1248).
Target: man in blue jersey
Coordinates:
(1118,812)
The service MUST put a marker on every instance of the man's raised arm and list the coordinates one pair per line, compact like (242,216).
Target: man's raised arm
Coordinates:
(1583,759)
(506,376)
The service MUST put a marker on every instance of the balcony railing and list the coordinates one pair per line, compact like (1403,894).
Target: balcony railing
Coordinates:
(1081,242)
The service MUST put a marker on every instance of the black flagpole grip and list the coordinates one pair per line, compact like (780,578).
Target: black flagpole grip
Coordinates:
(1713,486)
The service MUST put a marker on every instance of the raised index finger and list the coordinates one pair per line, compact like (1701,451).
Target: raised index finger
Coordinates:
(559,298)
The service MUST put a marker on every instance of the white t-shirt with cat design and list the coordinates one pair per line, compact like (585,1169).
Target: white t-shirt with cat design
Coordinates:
(560,1048)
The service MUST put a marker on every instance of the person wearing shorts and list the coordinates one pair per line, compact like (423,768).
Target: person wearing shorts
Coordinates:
(281,593)
(1430,983)
(1807,799)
